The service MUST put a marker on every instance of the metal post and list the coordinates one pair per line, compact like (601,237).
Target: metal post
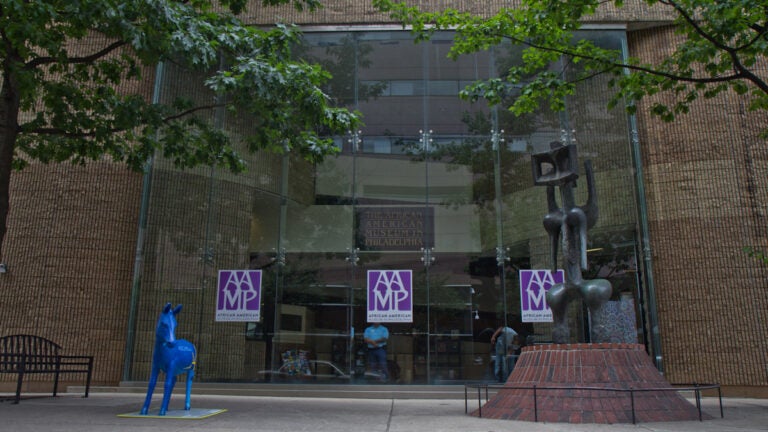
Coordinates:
(466,405)
(647,261)
(720,398)
(698,398)
(138,260)
(479,404)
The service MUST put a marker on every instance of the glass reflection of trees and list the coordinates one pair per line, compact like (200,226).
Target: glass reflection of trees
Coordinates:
(343,58)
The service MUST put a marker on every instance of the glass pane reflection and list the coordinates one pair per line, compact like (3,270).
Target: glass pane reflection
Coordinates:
(431,184)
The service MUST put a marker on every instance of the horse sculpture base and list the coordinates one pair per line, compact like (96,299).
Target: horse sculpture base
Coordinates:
(171,356)
(190,414)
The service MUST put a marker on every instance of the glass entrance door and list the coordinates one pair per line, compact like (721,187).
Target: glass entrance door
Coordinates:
(314,299)
(314,308)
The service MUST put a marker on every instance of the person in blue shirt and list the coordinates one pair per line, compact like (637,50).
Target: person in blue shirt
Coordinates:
(376,336)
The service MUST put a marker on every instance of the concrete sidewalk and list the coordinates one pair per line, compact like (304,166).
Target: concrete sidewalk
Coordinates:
(99,412)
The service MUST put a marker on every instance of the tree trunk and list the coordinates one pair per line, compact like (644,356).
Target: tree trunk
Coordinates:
(9,130)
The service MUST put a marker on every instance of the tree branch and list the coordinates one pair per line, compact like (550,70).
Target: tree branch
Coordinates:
(62,132)
(747,74)
(739,71)
(75,60)
(761,32)
(191,111)
(611,65)
(687,17)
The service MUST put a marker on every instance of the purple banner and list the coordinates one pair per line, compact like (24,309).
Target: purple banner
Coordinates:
(534,285)
(390,296)
(238,297)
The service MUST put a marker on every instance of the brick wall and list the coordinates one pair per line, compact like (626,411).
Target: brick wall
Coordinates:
(706,201)
(70,250)
(336,12)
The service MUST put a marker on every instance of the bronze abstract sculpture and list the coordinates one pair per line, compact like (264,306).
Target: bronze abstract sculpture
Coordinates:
(569,224)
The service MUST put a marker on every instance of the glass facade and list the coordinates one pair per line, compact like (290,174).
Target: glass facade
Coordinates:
(431,184)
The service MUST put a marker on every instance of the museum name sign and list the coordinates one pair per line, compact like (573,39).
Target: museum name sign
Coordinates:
(395,228)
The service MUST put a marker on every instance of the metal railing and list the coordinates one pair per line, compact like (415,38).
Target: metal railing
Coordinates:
(695,387)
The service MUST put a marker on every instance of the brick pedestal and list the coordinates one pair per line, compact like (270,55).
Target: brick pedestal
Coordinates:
(598,366)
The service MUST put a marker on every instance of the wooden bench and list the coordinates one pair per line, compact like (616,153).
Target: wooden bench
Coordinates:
(28,354)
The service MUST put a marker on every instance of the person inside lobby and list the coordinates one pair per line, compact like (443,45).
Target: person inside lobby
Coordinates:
(376,337)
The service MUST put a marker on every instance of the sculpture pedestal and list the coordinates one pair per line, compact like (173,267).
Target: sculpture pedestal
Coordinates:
(598,366)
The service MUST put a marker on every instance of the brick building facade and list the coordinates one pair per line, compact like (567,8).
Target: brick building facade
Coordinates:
(74,242)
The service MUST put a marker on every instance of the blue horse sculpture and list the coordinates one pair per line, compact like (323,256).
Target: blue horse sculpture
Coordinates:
(172,356)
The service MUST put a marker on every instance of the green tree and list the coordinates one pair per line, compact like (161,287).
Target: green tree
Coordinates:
(722,44)
(66,65)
